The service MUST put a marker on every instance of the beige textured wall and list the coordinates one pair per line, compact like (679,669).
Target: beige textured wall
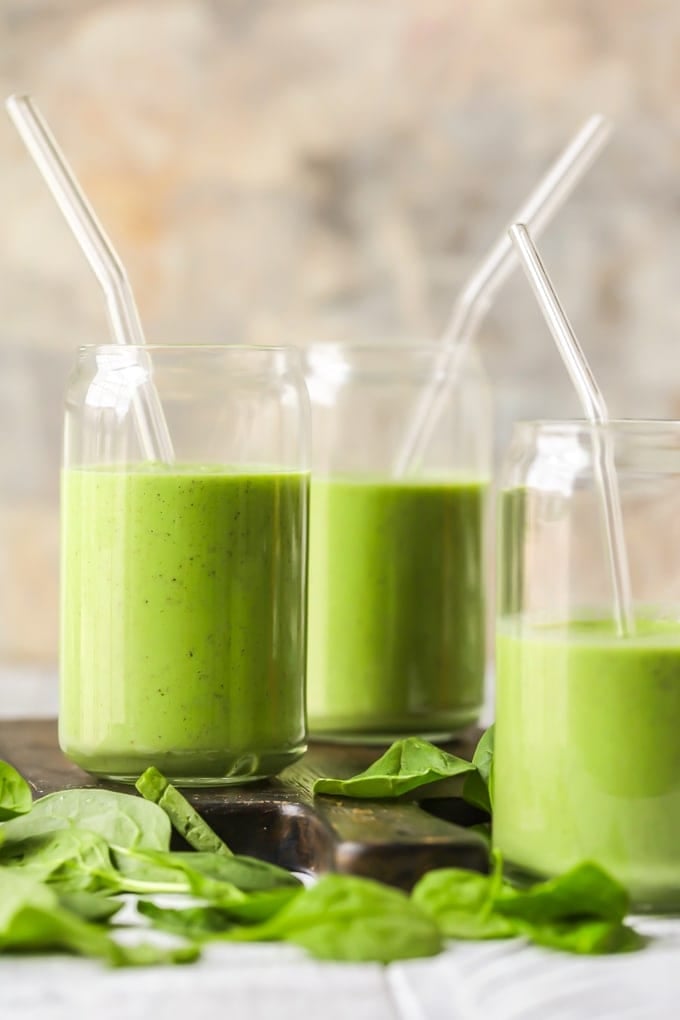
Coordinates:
(288,170)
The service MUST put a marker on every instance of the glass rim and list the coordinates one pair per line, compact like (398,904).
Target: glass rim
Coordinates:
(414,361)
(339,347)
(154,347)
(579,426)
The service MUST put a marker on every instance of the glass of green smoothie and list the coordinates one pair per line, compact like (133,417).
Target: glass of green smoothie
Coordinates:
(587,758)
(396,641)
(183,613)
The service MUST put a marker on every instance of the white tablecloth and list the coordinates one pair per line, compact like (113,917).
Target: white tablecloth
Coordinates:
(491,981)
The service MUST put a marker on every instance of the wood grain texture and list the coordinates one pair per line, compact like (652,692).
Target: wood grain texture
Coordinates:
(281,821)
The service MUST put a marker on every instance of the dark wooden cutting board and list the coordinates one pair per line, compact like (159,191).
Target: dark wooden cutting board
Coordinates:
(279,820)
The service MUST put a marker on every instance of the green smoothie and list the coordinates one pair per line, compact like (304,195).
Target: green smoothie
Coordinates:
(396,606)
(183,621)
(587,761)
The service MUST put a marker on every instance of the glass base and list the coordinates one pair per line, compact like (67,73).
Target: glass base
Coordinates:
(648,900)
(187,769)
(383,731)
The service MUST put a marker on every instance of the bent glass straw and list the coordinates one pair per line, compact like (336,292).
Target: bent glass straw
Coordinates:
(122,311)
(476,297)
(595,410)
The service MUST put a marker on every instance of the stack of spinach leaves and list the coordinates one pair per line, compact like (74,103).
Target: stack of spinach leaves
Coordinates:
(66,860)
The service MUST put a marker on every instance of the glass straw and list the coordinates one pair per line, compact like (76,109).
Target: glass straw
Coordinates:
(595,410)
(476,297)
(123,316)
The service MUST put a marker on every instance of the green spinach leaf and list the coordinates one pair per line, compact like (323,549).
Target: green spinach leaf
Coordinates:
(582,911)
(15,793)
(150,871)
(262,905)
(199,923)
(586,937)
(74,859)
(94,907)
(347,918)
(32,919)
(210,876)
(477,788)
(406,765)
(584,892)
(146,954)
(120,818)
(462,904)
(146,872)
(247,873)
(153,786)
(204,922)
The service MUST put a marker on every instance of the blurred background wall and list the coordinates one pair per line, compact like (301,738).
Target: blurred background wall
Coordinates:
(278,171)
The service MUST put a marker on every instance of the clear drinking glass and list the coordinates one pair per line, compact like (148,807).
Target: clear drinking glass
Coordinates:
(587,747)
(396,640)
(183,586)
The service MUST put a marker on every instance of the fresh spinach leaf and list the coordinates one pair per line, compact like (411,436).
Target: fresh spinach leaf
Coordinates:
(477,788)
(94,907)
(582,911)
(151,871)
(247,873)
(120,818)
(483,829)
(482,759)
(204,922)
(461,902)
(74,859)
(146,872)
(406,765)
(586,937)
(155,788)
(210,876)
(347,918)
(262,905)
(584,892)
(146,954)
(15,793)
(190,922)
(32,919)
(19,891)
